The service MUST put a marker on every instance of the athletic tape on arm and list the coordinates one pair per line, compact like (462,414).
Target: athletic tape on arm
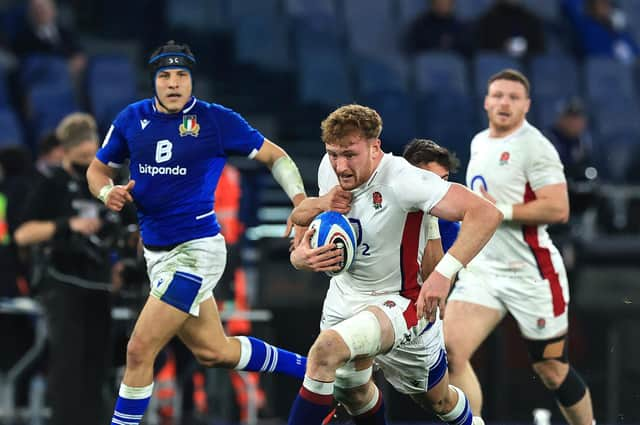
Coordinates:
(286,173)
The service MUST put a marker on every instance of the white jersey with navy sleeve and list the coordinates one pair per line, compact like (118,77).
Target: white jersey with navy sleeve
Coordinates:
(387,213)
(176,161)
(512,169)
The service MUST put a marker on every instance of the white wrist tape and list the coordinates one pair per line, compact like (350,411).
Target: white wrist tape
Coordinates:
(506,210)
(433,229)
(286,173)
(448,266)
(104,192)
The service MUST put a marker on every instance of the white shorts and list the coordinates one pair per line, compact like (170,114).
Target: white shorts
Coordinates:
(185,276)
(529,300)
(417,349)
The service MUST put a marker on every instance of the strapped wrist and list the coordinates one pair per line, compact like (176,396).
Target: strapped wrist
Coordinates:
(104,192)
(286,173)
(506,210)
(448,266)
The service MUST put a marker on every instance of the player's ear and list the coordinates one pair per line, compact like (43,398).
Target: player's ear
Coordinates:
(376,147)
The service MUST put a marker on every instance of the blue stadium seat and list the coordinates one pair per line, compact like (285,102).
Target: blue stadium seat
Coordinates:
(554,75)
(618,155)
(409,9)
(370,27)
(632,10)
(201,16)
(545,110)
(263,41)
(607,78)
(548,10)
(40,68)
(439,71)
(310,8)
(111,85)
(375,75)
(11,134)
(323,72)
(617,115)
(469,10)
(398,112)
(239,9)
(449,120)
(48,104)
(486,64)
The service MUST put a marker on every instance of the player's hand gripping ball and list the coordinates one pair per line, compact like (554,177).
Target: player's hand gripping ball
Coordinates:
(333,227)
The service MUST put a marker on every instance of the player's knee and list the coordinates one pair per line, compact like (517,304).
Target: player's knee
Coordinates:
(551,372)
(571,390)
(328,351)
(139,352)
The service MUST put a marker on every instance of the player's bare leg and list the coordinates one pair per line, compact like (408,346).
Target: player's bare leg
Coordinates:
(572,395)
(205,337)
(466,326)
(157,324)
(368,332)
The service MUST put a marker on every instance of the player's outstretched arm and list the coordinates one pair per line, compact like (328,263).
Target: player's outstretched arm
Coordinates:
(480,219)
(283,169)
(100,178)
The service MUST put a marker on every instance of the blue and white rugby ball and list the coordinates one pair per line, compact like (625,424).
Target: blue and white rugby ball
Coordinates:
(333,227)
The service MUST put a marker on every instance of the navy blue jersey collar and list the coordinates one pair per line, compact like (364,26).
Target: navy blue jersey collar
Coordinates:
(185,110)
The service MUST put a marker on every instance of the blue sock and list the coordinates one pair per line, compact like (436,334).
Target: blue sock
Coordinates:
(372,415)
(313,403)
(461,412)
(131,404)
(258,356)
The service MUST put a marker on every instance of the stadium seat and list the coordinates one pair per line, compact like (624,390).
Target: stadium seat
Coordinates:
(398,112)
(202,16)
(263,41)
(607,78)
(554,75)
(548,10)
(48,104)
(111,85)
(486,64)
(469,10)
(40,68)
(11,134)
(409,9)
(375,75)
(618,155)
(617,115)
(449,120)
(310,8)
(370,27)
(239,9)
(438,72)
(323,77)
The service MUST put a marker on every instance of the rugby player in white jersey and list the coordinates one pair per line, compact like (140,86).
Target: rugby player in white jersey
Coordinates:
(378,309)
(519,271)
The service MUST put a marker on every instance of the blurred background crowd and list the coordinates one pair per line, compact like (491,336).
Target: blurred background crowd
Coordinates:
(284,64)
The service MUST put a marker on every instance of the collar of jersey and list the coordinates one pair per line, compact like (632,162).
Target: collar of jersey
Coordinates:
(187,107)
(520,129)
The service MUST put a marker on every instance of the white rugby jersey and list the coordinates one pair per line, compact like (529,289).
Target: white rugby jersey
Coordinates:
(387,214)
(511,169)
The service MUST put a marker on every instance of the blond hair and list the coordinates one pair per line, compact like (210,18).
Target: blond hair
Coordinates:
(348,119)
(76,128)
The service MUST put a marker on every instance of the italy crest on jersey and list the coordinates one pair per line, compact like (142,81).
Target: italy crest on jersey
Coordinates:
(189,126)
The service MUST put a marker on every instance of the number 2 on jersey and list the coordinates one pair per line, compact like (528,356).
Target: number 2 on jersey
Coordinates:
(357,227)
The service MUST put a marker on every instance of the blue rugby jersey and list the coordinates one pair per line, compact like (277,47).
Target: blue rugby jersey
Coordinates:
(176,161)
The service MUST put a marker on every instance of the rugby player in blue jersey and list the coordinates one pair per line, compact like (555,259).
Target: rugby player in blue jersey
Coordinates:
(177,146)
(430,156)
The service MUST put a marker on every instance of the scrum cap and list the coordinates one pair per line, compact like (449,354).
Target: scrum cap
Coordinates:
(171,55)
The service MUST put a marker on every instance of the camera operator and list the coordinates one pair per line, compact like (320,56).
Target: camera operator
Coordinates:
(73,234)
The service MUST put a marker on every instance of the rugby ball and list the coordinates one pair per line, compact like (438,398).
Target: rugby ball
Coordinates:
(333,227)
